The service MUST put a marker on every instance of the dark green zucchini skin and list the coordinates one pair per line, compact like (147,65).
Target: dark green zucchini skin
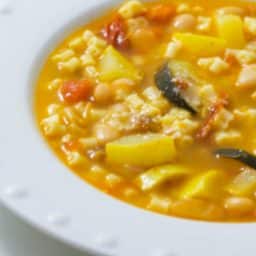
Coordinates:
(237,154)
(164,82)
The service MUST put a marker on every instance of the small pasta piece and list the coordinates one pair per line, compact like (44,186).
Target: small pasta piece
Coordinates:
(87,60)
(53,109)
(97,113)
(112,180)
(155,98)
(76,129)
(75,159)
(214,64)
(131,9)
(245,115)
(63,56)
(240,56)
(204,24)
(173,48)
(223,119)
(227,137)
(91,72)
(66,138)
(134,101)
(208,94)
(159,204)
(247,77)
(55,84)
(130,192)
(183,8)
(88,142)
(87,35)
(234,10)
(52,126)
(70,66)
(77,44)
(250,25)
(96,46)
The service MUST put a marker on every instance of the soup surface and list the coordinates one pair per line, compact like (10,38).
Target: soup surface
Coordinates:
(155,104)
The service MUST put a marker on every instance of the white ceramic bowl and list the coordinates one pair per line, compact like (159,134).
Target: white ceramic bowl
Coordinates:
(36,186)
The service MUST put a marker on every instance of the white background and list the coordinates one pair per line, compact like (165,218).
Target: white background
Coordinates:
(19,239)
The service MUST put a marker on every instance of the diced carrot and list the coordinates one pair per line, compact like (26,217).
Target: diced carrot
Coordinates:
(161,13)
(75,91)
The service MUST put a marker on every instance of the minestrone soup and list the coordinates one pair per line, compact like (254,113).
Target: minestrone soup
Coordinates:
(155,104)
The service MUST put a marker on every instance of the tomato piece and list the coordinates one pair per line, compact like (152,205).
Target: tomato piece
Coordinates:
(115,33)
(161,13)
(214,110)
(75,91)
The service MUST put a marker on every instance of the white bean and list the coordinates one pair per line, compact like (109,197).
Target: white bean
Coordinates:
(184,22)
(102,93)
(239,206)
(105,133)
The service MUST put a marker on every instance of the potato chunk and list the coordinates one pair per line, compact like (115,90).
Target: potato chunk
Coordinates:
(141,150)
(230,28)
(201,45)
(114,66)
(205,185)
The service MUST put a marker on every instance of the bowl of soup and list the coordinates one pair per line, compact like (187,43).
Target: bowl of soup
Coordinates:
(151,103)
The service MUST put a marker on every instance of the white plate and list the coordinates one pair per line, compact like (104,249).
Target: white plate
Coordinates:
(36,186)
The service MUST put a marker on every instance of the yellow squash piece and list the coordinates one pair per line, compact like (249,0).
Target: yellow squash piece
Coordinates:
(113,66)
(230,28)
(244,183)
(201,45)
(158,175)
(141,150)
(205,185)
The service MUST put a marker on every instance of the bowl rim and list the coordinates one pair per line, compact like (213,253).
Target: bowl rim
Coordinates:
(102,224)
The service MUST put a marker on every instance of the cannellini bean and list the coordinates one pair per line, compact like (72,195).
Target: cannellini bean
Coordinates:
(184,22)
(105,133)
(231,10)
(239,206)
(247,77)
(102,93)
(196,208)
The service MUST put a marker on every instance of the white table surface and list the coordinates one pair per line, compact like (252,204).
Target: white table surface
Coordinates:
(19,239)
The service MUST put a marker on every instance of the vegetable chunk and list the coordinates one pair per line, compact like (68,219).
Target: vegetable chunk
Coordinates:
(206,185)
(244,183)
(158,175)
(141,150)
(201,45)
(230,28)
(114,66)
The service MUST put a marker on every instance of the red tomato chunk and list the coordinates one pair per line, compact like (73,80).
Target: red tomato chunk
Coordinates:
(75,91)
